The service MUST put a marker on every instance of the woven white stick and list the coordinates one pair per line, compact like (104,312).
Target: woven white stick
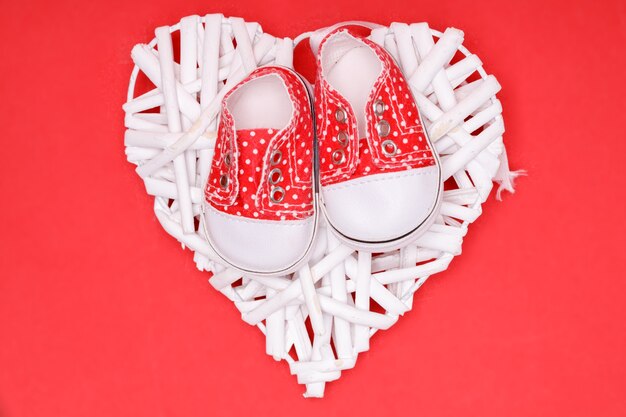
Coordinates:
(408,258)
(166,61)
(378,292)
(362,318)
(362,299)
(143,139)
(443,90)
(438,56)
(171,131)
(275,336)
(457,114)
(312,301)
(189,74)
(342,332)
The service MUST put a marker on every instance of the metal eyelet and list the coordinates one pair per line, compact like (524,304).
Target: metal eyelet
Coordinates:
(227,159)
(342,138)
(275,176)
(383,128)
(277,194)
(339,157)
(389,148)
(340,115)
(275,157)
(379,107)
(224,181)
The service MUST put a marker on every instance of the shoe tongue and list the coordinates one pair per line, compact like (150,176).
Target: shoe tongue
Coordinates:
(357,29)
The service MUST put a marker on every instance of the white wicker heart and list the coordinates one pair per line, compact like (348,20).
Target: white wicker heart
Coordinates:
(320,318)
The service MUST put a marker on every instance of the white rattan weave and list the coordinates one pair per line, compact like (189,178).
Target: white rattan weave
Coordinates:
(170,135)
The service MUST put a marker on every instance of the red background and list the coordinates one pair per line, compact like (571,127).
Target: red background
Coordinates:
(102,313)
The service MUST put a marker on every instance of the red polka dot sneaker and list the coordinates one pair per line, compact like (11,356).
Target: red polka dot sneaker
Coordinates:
(259,199)
(380,180)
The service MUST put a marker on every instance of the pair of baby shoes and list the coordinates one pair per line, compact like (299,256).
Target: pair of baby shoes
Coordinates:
(357,154)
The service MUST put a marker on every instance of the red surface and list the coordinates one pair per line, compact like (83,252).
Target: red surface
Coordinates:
(102,314)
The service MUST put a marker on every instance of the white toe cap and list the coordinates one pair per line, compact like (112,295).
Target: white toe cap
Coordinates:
(259,246)
(383,207)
